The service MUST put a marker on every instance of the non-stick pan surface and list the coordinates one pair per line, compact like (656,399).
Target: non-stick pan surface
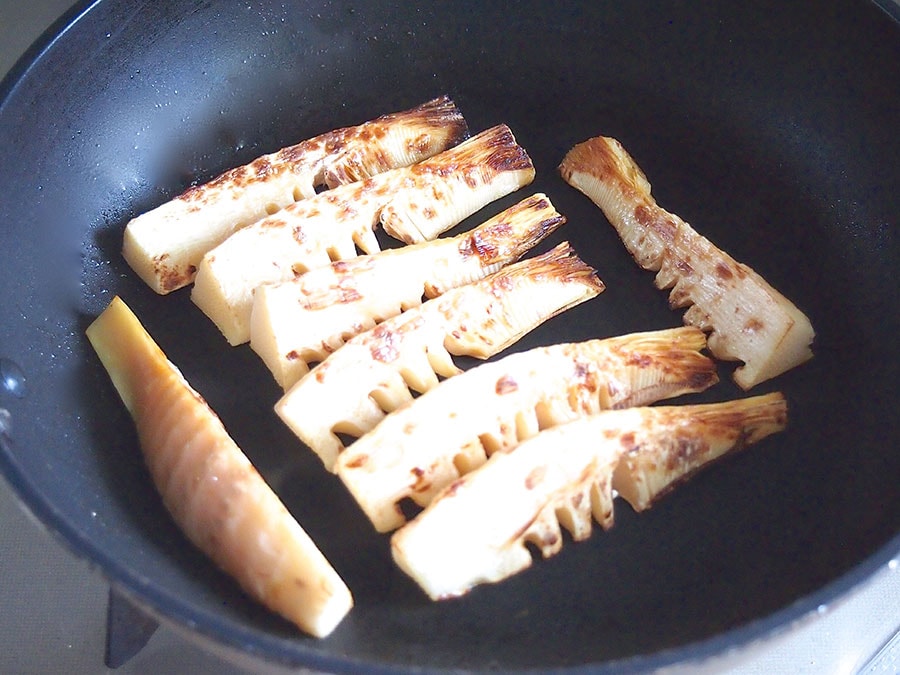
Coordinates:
(772,127)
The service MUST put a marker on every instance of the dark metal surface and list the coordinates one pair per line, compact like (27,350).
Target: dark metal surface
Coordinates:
(772,128)
(127,630)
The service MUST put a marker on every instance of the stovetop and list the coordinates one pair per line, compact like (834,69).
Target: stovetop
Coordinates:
(53,606)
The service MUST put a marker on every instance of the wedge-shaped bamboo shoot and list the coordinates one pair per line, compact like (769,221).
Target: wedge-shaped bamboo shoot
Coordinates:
(209,486)
(450,430)
(477,530)
(686,439)
(303,320)
(165,245)
(413,204)
(373,374)
(749,320)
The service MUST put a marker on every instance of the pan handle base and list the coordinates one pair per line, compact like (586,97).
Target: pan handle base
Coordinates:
(128,628)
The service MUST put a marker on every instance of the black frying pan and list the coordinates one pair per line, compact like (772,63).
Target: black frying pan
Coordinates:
(772,127)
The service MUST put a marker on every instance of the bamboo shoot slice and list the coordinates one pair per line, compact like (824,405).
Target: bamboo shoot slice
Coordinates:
(749,320)
(412,203)
(165,245)
(303,320)
(211,489)
(421,447)
(374,373)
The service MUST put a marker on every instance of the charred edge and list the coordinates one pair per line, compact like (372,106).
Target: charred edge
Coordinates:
(492,240)
(562,263)
(756,416)
(264,167)
(260,169)
(536,202)
(596,156)
(495,149)
(545,227)
(508,238)
(535,215)
(441,113)
(674,343)
(438,118)
(510,156)
(690,366)
(682,338)
(518,233)
(753,419)
(685,366)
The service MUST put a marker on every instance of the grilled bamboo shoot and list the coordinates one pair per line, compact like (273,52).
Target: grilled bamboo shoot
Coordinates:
(165,245)
(477,529)
(305,319)
(413,204)
(373,373)
(749,320)
(421,447)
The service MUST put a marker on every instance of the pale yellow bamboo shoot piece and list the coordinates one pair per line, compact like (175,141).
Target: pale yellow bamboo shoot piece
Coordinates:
(211,489)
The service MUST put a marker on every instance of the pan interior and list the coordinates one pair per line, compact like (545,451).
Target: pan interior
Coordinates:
(772,133)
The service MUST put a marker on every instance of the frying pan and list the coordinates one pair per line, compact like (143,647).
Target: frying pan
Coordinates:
(772,127)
